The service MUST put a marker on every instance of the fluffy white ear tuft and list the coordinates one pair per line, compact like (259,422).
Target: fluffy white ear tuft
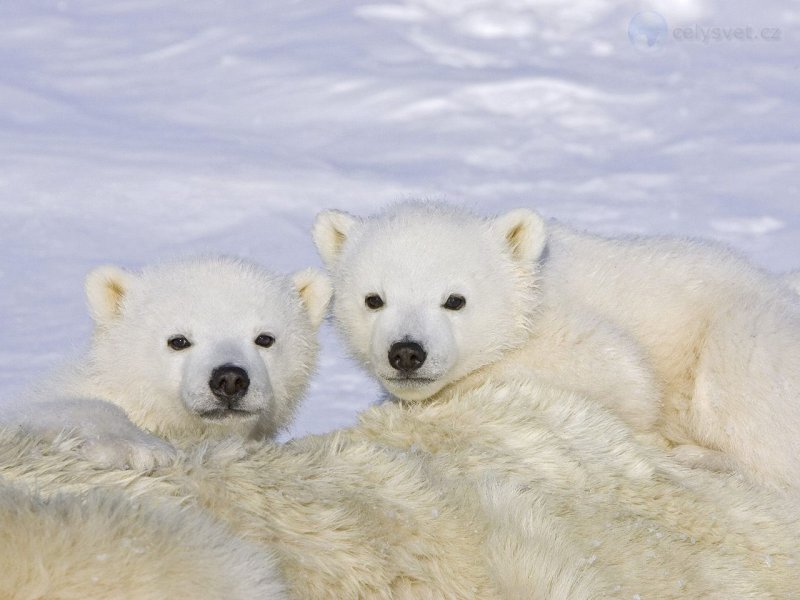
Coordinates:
(105,289)
(523,232)
(330,232)
(315,291)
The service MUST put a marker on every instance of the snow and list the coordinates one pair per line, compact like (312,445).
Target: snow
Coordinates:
(136,130)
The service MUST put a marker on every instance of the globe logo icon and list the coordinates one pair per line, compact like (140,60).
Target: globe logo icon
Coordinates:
(647,32)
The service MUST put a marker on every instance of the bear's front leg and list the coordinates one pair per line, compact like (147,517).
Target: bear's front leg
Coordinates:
(102,431)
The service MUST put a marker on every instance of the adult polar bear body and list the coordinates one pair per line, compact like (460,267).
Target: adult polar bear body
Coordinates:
(194,348)
(504,490)
(103,545)
(678,337)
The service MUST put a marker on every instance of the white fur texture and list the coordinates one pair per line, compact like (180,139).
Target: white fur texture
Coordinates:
(504,490)
(220,306)
(681,338)
(101,545)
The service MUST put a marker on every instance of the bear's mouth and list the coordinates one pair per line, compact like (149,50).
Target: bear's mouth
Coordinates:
(220,414)
(410,380)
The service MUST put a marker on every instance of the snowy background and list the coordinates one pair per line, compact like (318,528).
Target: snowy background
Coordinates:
(136,130)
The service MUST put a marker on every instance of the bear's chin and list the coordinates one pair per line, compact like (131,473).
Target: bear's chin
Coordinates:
(227,414)
(412,389)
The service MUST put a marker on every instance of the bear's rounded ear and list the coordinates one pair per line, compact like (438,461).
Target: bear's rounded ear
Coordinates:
(523,232)
(330,232)
(105,288)
(315,291)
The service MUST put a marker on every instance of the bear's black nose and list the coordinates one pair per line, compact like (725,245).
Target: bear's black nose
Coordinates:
(229,383)
(407,356)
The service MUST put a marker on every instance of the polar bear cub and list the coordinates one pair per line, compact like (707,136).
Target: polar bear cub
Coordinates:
(427,295)
(681,338)
(194,348)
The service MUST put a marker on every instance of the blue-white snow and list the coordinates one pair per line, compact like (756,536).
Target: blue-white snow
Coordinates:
(136,130)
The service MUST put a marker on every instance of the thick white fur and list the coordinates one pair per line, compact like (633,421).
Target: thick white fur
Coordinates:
(102,545)
(721,335)
(502,490)
(131,377)
(678,337)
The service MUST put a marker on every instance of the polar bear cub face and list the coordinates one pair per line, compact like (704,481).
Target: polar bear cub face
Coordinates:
(426,294)
(205,346)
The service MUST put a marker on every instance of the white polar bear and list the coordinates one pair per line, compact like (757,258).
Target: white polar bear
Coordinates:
(678,337)
(103,545)
(511,489)
(188,349)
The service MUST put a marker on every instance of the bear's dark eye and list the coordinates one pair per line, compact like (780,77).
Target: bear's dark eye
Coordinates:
(178,342)
(373,301)
(454,302)
(265,340)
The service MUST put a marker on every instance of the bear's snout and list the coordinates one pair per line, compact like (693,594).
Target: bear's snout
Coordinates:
(229,383)
(407,356)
